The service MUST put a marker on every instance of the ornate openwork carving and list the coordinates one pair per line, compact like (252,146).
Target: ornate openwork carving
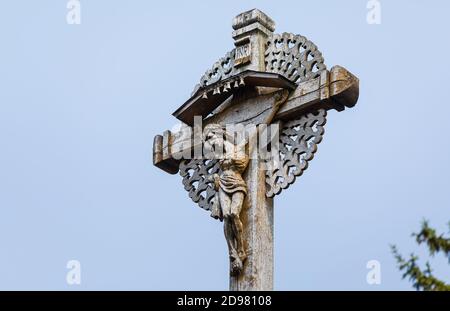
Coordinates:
(299,60)
(222,69)
(195,174)
(298,143)
(294,57)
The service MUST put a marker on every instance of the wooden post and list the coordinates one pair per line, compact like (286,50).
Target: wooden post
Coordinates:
(257,217)
(251,30)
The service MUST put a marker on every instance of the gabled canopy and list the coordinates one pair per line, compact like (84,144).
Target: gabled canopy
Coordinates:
(205,100)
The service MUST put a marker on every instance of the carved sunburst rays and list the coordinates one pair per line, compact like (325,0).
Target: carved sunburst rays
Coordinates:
(298,143)
(221,70)
(299,60)
(294,57)
(195,173)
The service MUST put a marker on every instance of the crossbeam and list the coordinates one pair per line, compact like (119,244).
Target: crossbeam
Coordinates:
(334,89)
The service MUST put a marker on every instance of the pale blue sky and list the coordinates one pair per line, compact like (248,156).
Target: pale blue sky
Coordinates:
(80,105)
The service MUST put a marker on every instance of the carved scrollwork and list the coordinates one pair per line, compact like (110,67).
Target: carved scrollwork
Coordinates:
(195,173)
(294,57)
(298,143)
(222,69)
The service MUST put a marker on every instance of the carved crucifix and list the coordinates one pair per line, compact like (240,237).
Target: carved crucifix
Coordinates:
(267,80)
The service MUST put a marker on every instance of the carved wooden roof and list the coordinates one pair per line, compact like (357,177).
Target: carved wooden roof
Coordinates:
(208,98)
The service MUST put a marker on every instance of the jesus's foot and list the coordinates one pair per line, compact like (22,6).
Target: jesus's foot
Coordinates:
(242,255)
(236,266)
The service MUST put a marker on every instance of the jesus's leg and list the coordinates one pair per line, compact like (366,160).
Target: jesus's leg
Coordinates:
(235,260)
(236,206)
(225,205)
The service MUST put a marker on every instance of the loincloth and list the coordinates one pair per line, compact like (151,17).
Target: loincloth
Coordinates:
(232,182)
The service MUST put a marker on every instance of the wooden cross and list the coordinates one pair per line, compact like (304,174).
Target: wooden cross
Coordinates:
(267,78)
